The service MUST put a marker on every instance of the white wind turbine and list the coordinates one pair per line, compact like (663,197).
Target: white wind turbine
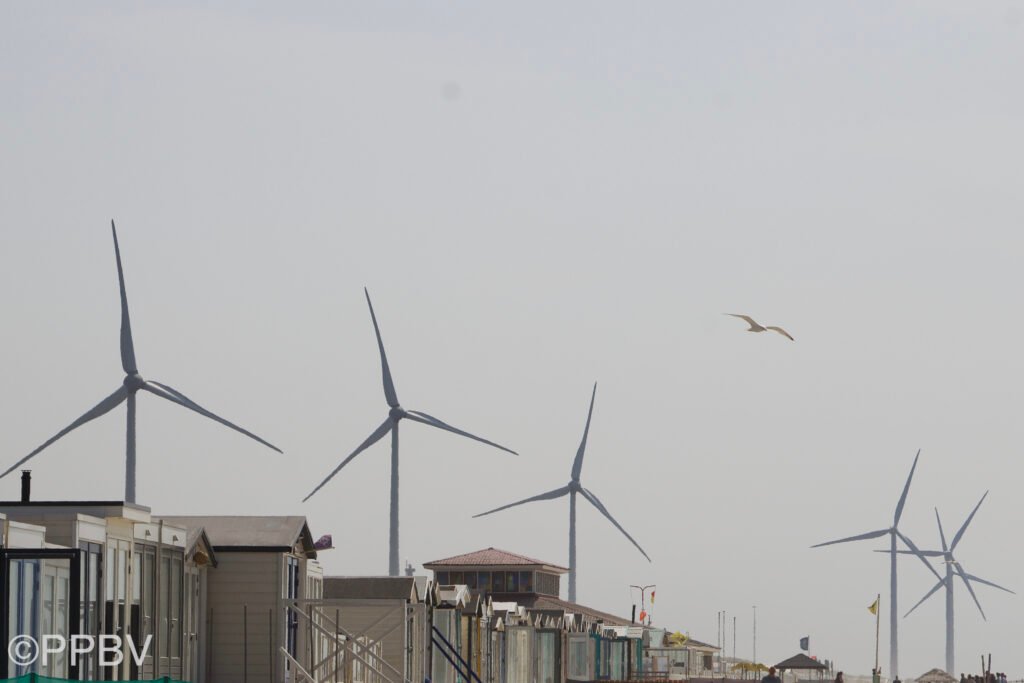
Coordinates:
(894,533)
(953,567)
(572,489)
(130,386)
(396,414)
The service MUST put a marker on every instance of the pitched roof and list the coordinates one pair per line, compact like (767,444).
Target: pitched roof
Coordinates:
(549,603)
(493,557)
(371,587)
(237,533)
(935,675)
(800,661)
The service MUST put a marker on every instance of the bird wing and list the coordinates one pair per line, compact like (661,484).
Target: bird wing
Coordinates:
(781,331)
(754,325)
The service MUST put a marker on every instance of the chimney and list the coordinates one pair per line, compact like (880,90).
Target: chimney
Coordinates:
(26,486)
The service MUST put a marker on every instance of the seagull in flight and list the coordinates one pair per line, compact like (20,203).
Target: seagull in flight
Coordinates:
(758,327)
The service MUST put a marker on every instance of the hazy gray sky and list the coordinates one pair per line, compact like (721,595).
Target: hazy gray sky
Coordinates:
(540,196)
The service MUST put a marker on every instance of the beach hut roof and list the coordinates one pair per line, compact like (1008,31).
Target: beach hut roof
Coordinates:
(238,533)
(800,661)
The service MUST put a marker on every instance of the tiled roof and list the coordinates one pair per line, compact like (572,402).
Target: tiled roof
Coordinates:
(492,557)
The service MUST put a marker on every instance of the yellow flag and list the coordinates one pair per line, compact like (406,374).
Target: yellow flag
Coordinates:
(873,607)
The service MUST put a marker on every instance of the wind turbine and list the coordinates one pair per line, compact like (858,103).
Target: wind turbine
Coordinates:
(954,567)
(893,532)
(395,415)
(572,489)
(131,385)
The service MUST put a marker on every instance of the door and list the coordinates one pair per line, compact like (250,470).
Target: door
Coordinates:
(190,659)
(169,609)
(117,613)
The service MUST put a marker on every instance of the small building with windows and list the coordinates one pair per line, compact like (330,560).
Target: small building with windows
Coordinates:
(499,573)
(101,568)
(266,569)
(536,637)
(203,598)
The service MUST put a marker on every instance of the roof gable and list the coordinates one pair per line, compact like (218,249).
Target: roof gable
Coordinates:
(241,533)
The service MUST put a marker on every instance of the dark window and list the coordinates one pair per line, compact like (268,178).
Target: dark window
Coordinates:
(456,577)
(483,581)
(512,582)
(471,579)
(498,582)
(442,578)
(292,593)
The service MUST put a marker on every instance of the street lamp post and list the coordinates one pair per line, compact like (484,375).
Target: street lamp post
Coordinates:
(643,602)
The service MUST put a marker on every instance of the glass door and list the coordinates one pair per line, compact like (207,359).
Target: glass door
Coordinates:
(116,612)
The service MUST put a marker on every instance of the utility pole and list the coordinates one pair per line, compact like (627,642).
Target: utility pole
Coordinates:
(755,635)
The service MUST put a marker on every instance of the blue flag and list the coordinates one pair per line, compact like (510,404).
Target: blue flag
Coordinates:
(805,643)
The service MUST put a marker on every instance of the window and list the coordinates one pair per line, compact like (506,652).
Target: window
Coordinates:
(470,579)
(442,578)
(525,582)
(456,577)
(483,581)
(498,582)
(292,593)
(512,582)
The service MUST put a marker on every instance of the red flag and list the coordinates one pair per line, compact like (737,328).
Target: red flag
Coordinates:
(643,615)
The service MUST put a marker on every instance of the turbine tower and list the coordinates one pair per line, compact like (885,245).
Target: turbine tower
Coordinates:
(572,489)
(396,414)
(133,382)
(893,532)
(954,567)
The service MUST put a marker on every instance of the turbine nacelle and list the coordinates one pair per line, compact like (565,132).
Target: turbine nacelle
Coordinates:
(133,382)
(574,486)
(397,413)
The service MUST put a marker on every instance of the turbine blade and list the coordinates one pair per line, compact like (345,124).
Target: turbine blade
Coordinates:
(175,396)
(920,555)
(927,595)
(906,489)
(970,590)
(101,408)
(389,385)
(127,345)
(419,416)
(550,495)
(377,435)
(859,537)
(577,464)
(977,579)
(960,532)
(942,536)
(604,511)
(926,553)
